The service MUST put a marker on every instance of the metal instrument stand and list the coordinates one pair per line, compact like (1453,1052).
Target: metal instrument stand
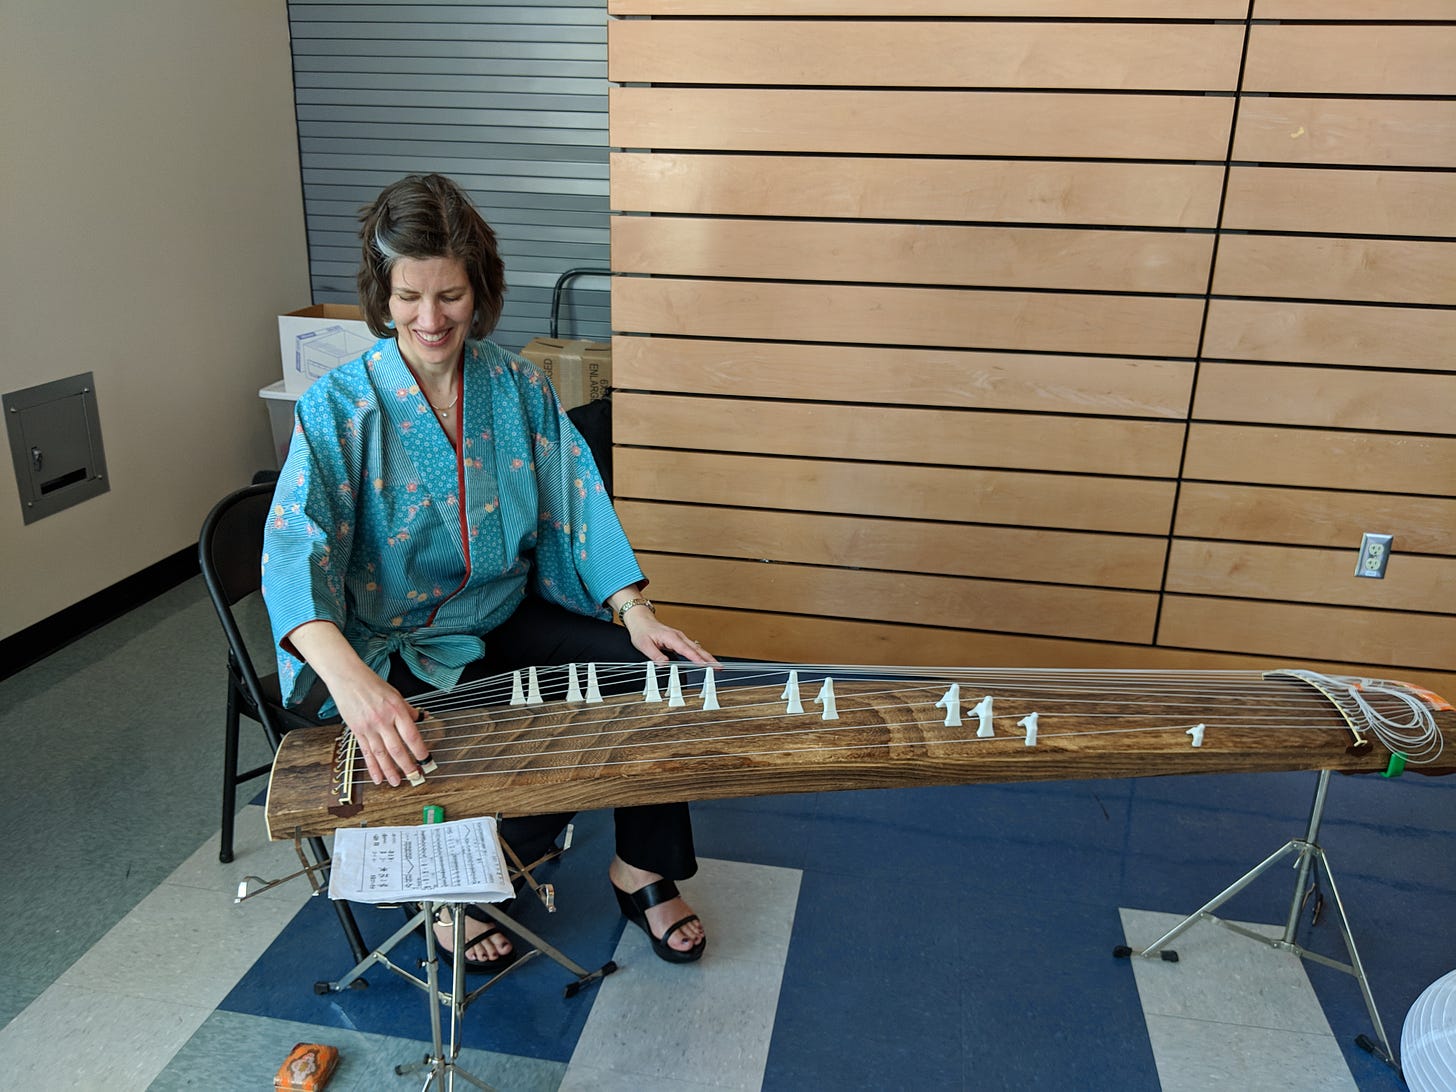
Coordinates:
(1311,859)
(441,1064)
(380,955)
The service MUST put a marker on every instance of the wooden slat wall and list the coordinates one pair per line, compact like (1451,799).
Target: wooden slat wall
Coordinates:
(1326,364)
(1055,332)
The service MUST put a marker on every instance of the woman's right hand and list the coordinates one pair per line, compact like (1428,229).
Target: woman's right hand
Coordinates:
(376,713)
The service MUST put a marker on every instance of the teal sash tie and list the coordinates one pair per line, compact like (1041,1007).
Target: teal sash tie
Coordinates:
(435,658)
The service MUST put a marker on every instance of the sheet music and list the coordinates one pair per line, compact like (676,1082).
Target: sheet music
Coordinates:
(460,861)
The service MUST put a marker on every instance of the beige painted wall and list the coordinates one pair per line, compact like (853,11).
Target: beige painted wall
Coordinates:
(151,228)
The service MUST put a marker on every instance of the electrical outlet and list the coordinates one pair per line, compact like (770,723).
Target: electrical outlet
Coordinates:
(1374,555)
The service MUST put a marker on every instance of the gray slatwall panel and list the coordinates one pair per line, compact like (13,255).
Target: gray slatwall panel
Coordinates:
(508,99)
(340,82)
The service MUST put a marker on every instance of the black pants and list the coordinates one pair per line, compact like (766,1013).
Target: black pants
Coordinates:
(653,837)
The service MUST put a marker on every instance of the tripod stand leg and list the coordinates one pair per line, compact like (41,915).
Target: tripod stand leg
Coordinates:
(1356,968)
(442,1065)
(1206,910)
(1311,861)
(583,976)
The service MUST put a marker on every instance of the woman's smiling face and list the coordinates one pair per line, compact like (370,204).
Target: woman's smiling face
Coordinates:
(432,306)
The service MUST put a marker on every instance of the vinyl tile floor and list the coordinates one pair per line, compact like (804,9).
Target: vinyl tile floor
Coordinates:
(948,938)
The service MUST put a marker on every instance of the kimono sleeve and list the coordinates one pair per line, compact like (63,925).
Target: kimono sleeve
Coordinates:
(308,536)
(582,553)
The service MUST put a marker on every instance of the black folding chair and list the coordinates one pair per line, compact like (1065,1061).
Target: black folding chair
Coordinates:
(230,550)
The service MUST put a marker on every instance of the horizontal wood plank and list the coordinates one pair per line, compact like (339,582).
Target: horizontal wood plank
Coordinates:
(1323,333)
(896,188)
(1075,259)
(1351,60)
(954,602)
(960,548)
(1328,398)
(1308,575)
(1366,132)
(1315,517)
(1147,449)
(1364,270)
(1385,638)
(1384,11)
(981,123)
(965,318)
(1024,9)
(923,377)
(1076,501)
(1369,461)
(1365,202)
(921,53)
(789,638)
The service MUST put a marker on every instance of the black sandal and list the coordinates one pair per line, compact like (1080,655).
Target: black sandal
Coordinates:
(634,908)
(492,928)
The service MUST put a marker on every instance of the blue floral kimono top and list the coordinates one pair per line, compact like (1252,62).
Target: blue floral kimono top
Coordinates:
(380,526)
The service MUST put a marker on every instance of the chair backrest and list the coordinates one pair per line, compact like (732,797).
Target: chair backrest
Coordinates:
(230,553)
(230,547)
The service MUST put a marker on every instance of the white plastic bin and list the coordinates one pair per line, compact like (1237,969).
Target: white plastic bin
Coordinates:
(280,404)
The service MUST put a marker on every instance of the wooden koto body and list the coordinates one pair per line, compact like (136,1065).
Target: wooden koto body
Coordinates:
(888,729)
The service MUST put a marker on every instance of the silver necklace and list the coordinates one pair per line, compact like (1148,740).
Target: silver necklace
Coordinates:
(442,410)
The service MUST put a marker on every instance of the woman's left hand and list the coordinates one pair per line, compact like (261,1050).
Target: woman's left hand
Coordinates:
(655,639)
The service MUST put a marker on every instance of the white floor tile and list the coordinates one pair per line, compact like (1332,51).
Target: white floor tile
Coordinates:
(708,1024)
(1232,1012)
(1201,1056)
(76,1038)
(182,944)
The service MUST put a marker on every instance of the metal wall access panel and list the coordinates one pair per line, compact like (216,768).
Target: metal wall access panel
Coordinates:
(55,445)
(510,100)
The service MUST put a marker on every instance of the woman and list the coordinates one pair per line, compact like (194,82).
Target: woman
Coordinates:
(439,519)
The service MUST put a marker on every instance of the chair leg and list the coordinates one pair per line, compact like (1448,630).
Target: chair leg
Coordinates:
(229,776)
(345,912)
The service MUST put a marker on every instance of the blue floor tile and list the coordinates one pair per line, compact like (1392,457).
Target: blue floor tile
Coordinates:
(526,1014)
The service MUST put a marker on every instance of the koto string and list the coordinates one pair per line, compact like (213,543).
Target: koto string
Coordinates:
(1232,683)
(507,724)
(1404,723)
(487,691)
(649,758)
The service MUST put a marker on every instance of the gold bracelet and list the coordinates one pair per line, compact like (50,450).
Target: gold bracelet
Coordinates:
(629,604)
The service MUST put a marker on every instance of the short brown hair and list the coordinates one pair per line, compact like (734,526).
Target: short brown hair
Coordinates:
(427,216)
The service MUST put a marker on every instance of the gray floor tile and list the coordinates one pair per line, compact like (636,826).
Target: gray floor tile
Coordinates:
(233,1052)
(133,744)
(504,1072)
(17,991)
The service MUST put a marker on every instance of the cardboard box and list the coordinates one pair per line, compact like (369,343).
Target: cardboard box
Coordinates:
(581,371)
(315,340)
(280,404)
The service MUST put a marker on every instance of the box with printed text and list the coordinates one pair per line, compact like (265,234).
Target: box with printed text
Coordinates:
(315,340)
(581,371)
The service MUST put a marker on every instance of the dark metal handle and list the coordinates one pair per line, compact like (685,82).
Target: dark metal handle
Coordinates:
(561,283)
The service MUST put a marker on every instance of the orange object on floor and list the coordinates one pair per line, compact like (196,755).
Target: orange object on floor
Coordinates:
(308,1068)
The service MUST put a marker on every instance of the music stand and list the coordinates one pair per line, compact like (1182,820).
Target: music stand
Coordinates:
(1311,859)
(442,1065)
